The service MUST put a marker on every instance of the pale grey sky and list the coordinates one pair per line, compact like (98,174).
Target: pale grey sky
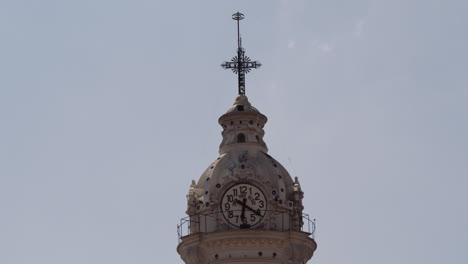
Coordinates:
(109,109)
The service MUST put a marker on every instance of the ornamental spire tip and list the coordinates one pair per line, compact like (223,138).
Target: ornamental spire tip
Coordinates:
(240,64)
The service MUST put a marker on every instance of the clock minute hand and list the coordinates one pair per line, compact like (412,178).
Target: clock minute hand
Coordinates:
(250,208)
(244,205)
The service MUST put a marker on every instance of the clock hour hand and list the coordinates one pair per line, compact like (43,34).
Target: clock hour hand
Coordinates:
(243,208)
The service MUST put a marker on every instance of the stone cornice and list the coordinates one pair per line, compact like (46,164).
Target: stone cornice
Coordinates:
(251,245)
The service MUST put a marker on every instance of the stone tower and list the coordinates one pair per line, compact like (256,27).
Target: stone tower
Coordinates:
(245,208)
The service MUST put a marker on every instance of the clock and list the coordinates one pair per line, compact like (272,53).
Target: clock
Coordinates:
(243,205)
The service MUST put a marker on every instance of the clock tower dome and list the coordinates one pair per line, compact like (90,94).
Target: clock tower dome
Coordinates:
(245,207)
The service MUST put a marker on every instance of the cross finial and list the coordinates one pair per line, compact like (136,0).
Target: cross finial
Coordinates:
(240,64)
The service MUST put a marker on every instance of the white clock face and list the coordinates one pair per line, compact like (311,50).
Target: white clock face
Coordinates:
(243,205)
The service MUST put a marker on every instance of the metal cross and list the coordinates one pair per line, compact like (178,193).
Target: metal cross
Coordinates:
(240,64)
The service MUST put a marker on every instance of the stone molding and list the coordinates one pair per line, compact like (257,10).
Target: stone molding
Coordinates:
(247,246)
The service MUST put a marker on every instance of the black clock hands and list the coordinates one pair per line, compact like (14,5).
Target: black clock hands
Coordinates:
(244,205)
(243,208)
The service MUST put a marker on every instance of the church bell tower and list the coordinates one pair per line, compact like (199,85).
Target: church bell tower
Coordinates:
(245,207)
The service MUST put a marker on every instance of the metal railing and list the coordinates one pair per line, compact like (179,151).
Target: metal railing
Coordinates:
(277,221)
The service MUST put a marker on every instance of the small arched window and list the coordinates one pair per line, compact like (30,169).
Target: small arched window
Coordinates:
(240,138)
(258,138)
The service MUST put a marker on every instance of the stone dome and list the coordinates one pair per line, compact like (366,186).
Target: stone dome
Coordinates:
(242,104)
(245,166)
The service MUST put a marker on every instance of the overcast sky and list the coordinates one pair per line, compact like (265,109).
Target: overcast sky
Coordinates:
(109,109)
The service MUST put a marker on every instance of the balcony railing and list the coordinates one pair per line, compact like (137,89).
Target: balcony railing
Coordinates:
(283,221)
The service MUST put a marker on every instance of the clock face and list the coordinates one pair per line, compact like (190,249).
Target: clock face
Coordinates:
(243,205)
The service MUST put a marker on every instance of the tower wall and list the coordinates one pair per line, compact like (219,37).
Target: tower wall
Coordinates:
(247,246)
